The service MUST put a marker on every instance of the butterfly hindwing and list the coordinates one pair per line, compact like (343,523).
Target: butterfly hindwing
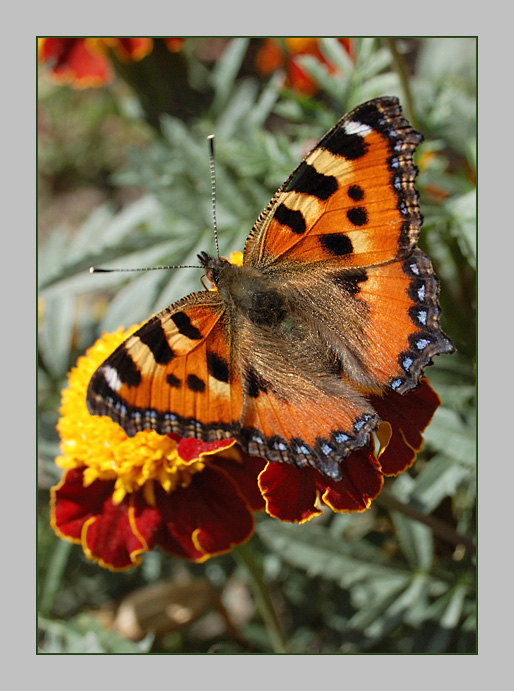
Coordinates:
(402,329)
(381,322)
(292,399)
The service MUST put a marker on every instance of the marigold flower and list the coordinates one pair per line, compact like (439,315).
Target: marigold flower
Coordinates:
(283,53)
(121,496)
(84,62)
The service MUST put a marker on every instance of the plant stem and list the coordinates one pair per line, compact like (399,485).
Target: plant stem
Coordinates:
(246,557)
(399,64)
(439,528)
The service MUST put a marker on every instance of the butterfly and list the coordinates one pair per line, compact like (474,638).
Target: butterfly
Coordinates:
(334,302)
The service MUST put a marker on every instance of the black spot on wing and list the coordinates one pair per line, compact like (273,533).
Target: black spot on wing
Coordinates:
(350,146)
(254,384)
(184,326)
(292,218)
(218,367)
(357,216)
(125,367)
(154,338)
(194,383)
(307,180)
(350,280)
(337,244)
(356,193)
(173,381)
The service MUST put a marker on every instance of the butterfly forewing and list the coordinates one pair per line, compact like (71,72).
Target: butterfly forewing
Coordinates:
(352,199)
(172,375)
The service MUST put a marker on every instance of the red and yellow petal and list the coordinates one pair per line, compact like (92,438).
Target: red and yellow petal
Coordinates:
(190,449)
(294,494)
(132,49)
(174,44)
(407,416)
(244,471)
(109,538)
(207,517)
(75,61)
(88,515)
(83,62)
(289,492)
(361,482)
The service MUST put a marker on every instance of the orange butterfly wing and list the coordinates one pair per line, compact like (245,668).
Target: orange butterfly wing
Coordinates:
(349,214)
(172,374)
(352,200)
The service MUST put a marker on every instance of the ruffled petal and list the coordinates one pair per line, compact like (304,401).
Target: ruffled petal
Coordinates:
(88,515)
(290,492)
(294,494)
(244,471)
(132,47)
(75,62)
(205,518)
(191,449)
(407,415)
(72,504)
(361,482)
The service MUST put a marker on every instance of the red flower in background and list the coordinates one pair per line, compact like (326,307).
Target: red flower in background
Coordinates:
(174,44)
(84,62)
(277,53)
(121,496)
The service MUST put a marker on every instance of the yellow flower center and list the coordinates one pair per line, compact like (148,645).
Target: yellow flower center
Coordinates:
(101,447)
(133,463)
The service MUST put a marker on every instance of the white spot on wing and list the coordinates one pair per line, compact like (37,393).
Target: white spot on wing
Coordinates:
(111,377)
(354,127)
(341,437)
(219,387)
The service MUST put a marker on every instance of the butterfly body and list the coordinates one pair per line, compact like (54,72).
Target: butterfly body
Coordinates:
(248,291)
(333,303)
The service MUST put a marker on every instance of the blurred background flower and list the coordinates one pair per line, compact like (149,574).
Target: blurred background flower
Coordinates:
(283,53)
(85,62)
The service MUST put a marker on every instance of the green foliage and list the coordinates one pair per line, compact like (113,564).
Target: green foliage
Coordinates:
(385,581)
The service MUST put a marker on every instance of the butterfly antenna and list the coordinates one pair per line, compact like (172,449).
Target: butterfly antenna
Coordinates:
(99,270)
(213,191)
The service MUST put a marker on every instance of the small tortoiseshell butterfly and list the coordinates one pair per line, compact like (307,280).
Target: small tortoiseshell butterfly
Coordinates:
(333,302)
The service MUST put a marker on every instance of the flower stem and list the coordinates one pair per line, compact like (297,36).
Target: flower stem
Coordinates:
(439,528)
(399,64)
(246,557)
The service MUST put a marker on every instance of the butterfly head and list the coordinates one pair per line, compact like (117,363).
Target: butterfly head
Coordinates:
(214,267)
